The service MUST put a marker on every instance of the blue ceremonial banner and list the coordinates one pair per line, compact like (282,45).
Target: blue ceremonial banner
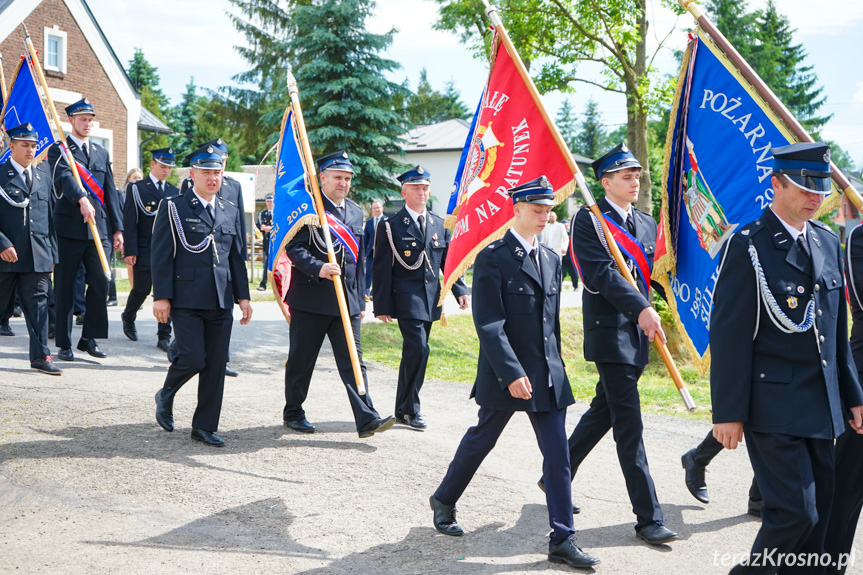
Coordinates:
(459,173)
(717,178)
(293,207)
(25,105)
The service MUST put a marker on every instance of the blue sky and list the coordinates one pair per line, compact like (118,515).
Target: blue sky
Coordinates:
(182,40)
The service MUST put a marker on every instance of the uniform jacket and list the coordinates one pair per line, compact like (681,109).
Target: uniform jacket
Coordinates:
(32,236)
(610,303)
(772,381)
(232,191)
(410,294)
(137,222)
(369,235)
(307,251)
(67,212)
(854,278)
(198,280)
(517,320)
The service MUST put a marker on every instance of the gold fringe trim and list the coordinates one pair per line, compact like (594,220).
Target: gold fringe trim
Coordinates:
(307,219)
(443,321)
(450,220)
(830,203)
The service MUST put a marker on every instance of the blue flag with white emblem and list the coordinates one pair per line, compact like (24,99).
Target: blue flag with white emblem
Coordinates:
(718,164)
(25,105)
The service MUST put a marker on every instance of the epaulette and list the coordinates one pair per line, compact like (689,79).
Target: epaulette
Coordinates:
(227,177)
(751,228)
(495,245)
(351,201)
(228,202)
(821,225)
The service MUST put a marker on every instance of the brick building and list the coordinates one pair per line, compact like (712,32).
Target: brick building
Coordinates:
(79,62)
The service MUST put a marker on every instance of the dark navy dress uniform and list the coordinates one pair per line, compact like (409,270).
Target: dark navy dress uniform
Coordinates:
(369,234)
(617,345)
(315,311)
(142,202)
(406,280)
(27,224)
(265,218)
(203,288)
(787,386)
(75,241)
(517,319)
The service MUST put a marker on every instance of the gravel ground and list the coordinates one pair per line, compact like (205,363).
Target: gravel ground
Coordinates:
(89,483)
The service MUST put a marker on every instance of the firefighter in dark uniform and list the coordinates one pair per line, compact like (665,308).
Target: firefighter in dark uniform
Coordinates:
(265,225)
(520,368)
(232,192)
(28,244)
(142,202)
(782,368)
(619,324)
(410,251)
(314,308)
(75,244)
(198,274)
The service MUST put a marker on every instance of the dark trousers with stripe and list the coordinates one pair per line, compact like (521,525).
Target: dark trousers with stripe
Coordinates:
(33,291)
(549,427)
(71,254)
(306,337)
(412,369)
(202,340)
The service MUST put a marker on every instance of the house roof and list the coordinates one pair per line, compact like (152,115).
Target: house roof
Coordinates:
(149,122)
(448,136)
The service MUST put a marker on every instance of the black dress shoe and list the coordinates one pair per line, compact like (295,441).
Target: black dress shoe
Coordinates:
(262,288)
(571,554)
(5,329)
(377,425)
(575,508)
(91,347)
(301,425)
(129,329)
(46,365)
(415,421)
(207,437)
(16,311)
(112,302)
(444,518)
(52,331)
(754,508)
(163,344)
(164,412)
(656,534)
(230,372)
(695,477)
(66,354)
(79,319)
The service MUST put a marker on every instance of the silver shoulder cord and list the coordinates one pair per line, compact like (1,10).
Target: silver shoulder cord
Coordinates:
(601,236)
(851,271)
(21,205)
(138,201)
(319,242)
(207,242)
(396,255)
(776,315)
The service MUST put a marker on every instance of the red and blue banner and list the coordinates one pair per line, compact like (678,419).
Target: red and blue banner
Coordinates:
(343,234)
(25,105)
(90,183)
(718,164)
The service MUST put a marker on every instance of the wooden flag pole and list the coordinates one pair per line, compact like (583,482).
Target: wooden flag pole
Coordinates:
(3,95)
(311,174)
(588,197)
(60,138)
(765,92)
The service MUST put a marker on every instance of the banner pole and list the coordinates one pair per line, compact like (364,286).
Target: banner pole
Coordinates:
(491,11)
(322,216)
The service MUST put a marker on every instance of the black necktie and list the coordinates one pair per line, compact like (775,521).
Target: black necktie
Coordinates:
(159,186)
(533,259)
(340,212)
(27,180)
(84,147)
(422,222)
(803,245)
(212,212)
(630,225)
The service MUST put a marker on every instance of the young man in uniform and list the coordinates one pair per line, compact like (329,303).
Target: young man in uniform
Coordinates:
(411,249)
(142,202)
(782,368)
(520,367)
(198,274)
(28,245)
(265,225)
(619,324)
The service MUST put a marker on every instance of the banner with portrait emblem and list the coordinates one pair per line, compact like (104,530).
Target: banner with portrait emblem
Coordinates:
(718,164)
(510,142)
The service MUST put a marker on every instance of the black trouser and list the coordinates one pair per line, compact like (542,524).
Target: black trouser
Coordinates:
(33,289)
(265,258)
(80,302)
(710,448)
(847,499)
(370,261)
(550,430)
(796,479)
(71,254)
(7,312)
(142,285)
(617,406)
(412,369)
(306,337)
(202,340)
(112,283)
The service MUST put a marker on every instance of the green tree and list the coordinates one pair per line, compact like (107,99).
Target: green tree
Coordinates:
(347,101)
(563,33)
(142,74)
(567,125)
(736,22)
(429,106)
(184,121)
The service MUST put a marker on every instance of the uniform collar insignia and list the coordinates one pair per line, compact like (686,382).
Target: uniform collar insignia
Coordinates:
(407,221)
(744,232)
(519,251)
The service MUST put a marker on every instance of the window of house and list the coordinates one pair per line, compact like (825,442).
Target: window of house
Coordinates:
(55,50)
